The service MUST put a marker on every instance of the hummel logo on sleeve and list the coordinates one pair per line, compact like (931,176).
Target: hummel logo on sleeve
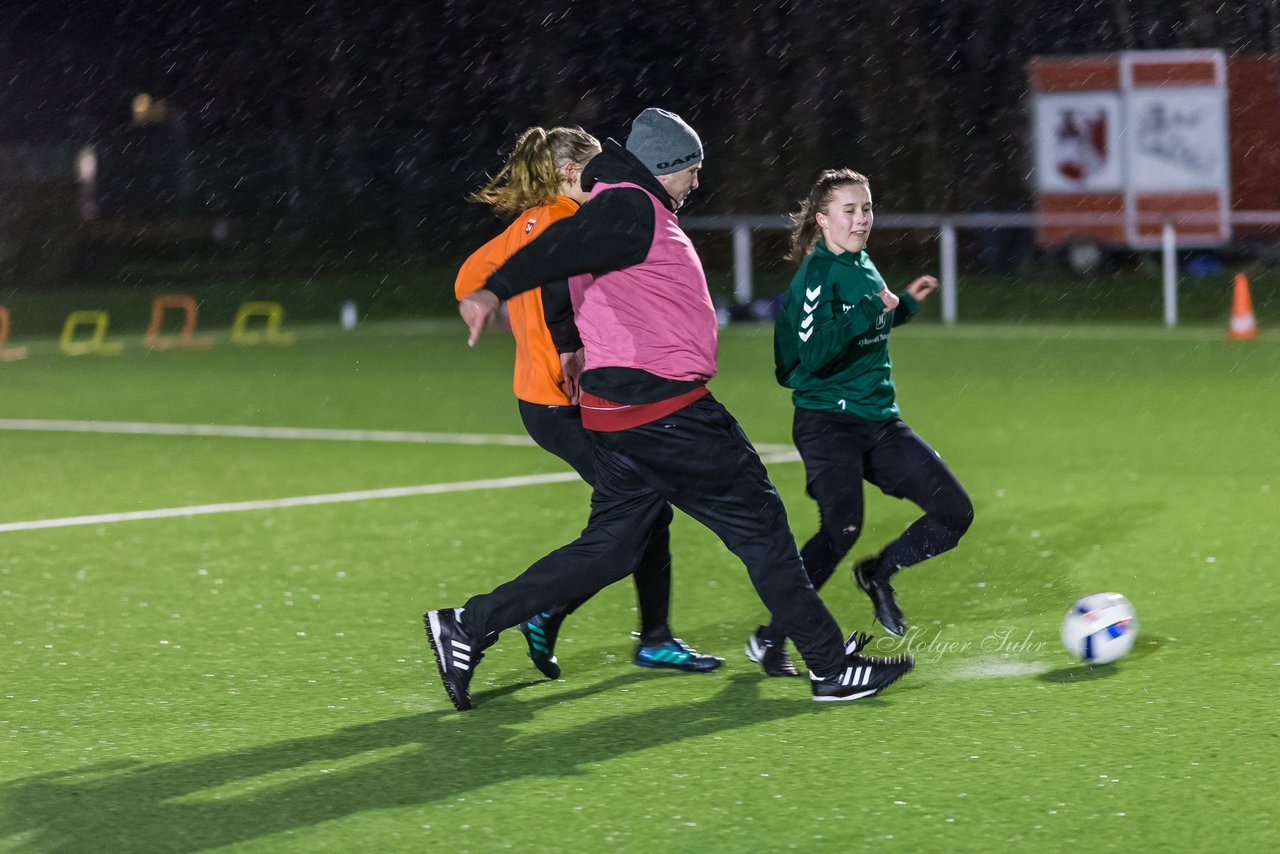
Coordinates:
(810,294)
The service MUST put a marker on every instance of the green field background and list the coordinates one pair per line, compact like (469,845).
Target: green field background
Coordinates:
(390,290)
(259,680)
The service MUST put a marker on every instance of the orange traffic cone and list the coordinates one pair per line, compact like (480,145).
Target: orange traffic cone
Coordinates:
(1242,323)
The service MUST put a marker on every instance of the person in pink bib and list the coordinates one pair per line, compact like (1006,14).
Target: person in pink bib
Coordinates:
(648,329)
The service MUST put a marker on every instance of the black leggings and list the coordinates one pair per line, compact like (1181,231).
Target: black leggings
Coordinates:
(559,430)
(841,451)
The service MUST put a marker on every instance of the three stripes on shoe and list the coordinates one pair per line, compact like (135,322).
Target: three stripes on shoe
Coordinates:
(667,656)
(460,654)
(537,637)
(852,676)
(855,676)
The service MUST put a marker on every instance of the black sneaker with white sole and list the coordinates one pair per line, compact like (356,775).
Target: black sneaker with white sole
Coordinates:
(772,657)
(862,676)
(875,583)
(456,655)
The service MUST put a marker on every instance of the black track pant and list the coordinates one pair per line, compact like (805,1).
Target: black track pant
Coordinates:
(700,461)
(559,430)
(840,452)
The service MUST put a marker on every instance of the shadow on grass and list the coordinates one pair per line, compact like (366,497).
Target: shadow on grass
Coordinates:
(1079,673)
(434,756)
(1089,672)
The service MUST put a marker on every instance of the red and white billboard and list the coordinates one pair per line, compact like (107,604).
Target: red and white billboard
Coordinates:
(1130,141)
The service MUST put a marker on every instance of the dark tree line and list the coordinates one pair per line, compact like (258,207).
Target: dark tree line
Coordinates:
(404,104)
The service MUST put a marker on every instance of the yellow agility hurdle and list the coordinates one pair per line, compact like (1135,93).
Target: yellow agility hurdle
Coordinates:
(97,344)
(274,314)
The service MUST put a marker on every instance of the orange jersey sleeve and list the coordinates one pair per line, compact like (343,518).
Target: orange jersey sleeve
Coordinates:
(538,376)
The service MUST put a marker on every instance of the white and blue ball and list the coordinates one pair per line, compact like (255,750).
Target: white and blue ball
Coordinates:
(1100,628)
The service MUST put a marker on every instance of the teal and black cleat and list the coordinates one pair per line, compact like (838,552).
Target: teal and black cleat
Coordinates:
(541,631)
(675,654)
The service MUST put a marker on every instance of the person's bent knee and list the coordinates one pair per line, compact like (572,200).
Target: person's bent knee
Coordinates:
(959,516)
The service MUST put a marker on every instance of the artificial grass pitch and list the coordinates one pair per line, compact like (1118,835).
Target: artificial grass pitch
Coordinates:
(259,679)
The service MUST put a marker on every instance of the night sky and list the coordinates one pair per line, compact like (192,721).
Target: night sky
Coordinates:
(411,103)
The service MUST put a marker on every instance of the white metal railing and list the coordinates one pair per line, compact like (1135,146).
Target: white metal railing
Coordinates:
(947,226)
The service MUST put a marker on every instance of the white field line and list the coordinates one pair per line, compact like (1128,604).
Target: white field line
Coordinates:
(142,428)
(779,455)
(297,501)
(231,431)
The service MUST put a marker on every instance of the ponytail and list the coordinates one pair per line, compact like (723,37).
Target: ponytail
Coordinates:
(804,228)
(531,176)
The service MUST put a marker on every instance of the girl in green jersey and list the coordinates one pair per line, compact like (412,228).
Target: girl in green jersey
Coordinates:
(831,347)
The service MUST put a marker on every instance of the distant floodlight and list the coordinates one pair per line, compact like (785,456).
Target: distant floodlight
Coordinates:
(87,173)
(141,107)
(148,110)
(87,164)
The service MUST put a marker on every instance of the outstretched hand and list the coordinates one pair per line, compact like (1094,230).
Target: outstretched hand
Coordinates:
(922,287)
(477,309)
(571,365)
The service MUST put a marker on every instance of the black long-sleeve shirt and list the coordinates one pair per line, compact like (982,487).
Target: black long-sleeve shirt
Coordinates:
(612,231)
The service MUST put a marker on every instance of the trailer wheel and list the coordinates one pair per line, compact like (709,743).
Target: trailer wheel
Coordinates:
(1084,255)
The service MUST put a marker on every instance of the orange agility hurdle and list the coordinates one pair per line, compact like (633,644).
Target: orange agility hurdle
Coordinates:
(187,338)
(8,354)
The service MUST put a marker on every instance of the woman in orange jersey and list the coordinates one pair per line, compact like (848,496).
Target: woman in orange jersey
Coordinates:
(540,182)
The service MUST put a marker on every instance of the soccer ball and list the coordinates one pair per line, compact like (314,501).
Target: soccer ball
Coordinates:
(1100,628)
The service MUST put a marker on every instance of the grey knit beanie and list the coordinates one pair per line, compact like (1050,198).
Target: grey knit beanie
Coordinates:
(663,142)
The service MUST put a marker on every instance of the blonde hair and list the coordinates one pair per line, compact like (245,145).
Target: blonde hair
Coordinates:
(531,176)
(804,228)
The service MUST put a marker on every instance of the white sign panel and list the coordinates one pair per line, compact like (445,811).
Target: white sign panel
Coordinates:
(1177,139)
(1078,142)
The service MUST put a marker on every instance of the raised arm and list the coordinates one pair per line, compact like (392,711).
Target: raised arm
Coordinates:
(912,296)
(612,231)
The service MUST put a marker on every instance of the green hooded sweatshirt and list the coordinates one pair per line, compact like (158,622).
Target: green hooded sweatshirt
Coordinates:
(831,336)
